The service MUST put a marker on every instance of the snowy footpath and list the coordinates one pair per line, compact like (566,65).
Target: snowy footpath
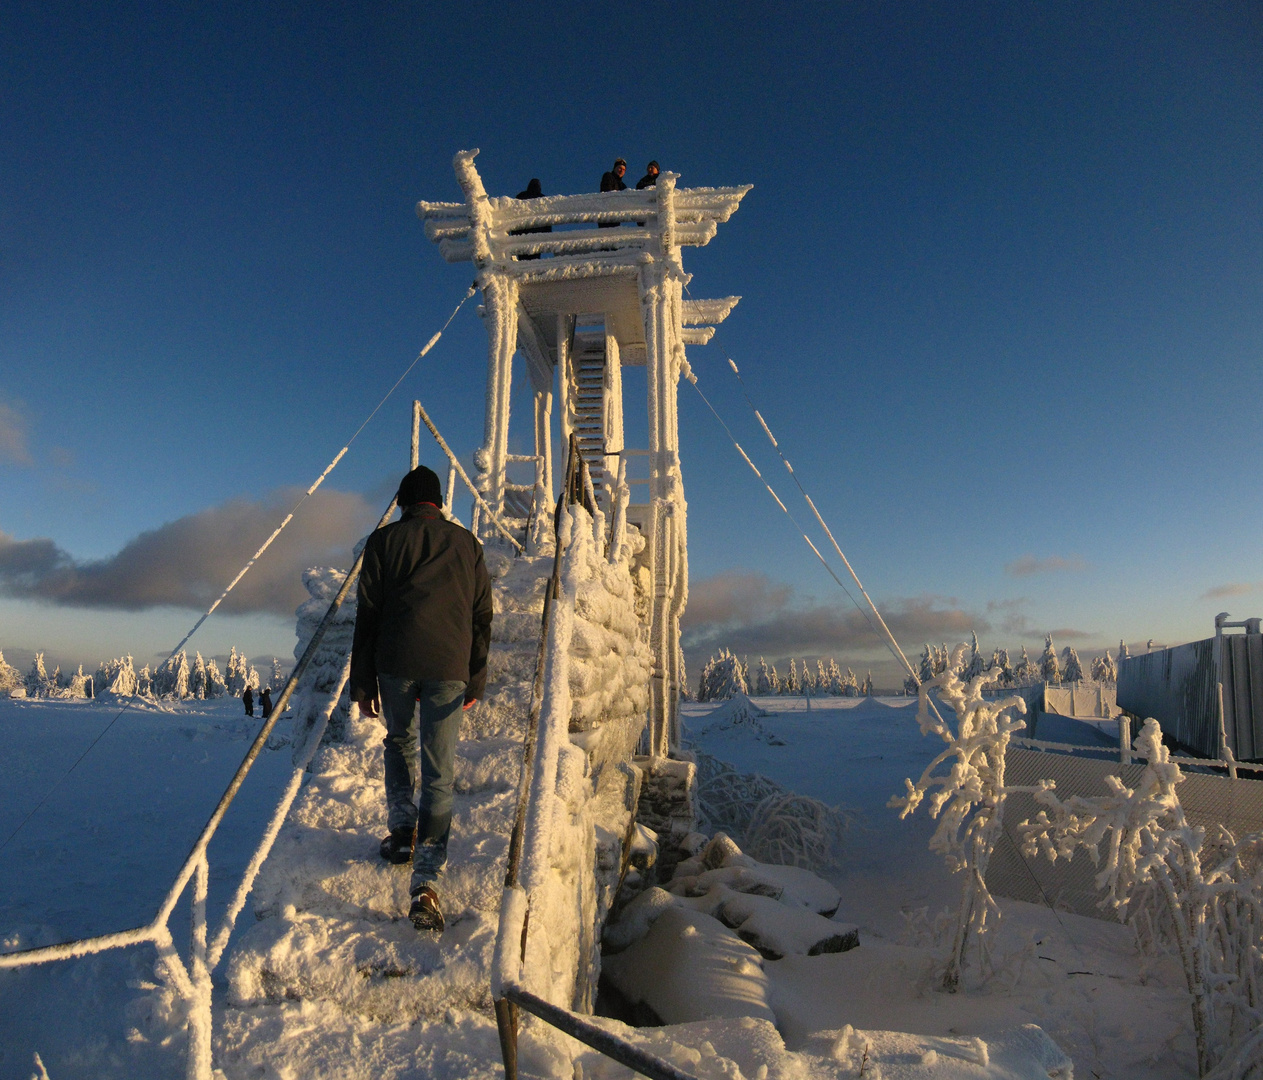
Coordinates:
(329,979)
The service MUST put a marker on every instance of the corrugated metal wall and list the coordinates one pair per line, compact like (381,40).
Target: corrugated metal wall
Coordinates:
(1243,694)
(1178,688)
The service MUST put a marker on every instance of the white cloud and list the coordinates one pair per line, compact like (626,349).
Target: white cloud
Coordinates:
(188,562)
(1029,564)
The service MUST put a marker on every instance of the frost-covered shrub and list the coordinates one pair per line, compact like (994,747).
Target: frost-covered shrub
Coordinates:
(769,822)
(1205,892)
(969,799)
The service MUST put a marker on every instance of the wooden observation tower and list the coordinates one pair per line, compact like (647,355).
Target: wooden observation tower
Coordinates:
(581,302)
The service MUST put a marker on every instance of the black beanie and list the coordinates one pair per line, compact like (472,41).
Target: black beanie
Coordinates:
(420,485)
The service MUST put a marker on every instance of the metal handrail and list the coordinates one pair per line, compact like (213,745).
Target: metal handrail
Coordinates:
(511,938)
(194,985)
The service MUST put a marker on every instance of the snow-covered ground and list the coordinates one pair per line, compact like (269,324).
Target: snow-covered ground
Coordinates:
(101,852)
(1116,1013)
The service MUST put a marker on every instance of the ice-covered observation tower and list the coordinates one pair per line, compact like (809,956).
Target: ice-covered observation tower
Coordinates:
(580,302)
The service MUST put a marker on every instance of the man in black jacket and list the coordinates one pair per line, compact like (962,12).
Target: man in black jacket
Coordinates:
(650,179)
(613,181)
(422,631)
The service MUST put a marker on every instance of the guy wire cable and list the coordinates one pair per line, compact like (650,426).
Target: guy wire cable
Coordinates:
(890,638)
(692,378)
(253,559)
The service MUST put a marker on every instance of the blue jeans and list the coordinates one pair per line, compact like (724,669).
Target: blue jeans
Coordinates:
(421,797)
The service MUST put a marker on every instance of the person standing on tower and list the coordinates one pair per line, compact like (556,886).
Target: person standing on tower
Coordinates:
(613,181)
(650,179)
(533,190)
(422,632)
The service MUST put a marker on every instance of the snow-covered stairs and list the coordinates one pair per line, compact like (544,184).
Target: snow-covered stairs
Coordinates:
(589,399)
(332,926)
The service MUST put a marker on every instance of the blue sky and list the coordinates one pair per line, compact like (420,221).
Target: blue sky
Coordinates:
(1001,274)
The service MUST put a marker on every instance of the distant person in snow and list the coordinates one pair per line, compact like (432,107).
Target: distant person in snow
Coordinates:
(650,179)
(613,181)
(265,704)
(534,190)
(422,631)
(247,699)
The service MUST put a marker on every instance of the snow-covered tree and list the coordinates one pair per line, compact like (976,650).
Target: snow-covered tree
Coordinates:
(833,679)
(252,679)
(235,675)
(703,680)
(763,679)
(77,687)
(970,795)
(116,677)
(910,684)
(1026,672)
(276,681)
(38,681)
(1206,890)
(10,677)
(850,684)
(866,687)
(976,665)
(197,678)
(727,677)
(1123,652)
(1049,669)
(791,685)
(216,687)
(1001,669)
(171,680)
(1103,669)
(926,670)
(1074,670)
(144,682)
(775,680)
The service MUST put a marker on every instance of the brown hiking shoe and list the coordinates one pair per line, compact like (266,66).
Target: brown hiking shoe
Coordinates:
(425,912)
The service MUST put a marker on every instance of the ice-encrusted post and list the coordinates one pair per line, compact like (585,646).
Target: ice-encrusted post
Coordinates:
(500,296)
(662,281)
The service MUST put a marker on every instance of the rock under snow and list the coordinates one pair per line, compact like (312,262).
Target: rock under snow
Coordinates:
(689,966)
